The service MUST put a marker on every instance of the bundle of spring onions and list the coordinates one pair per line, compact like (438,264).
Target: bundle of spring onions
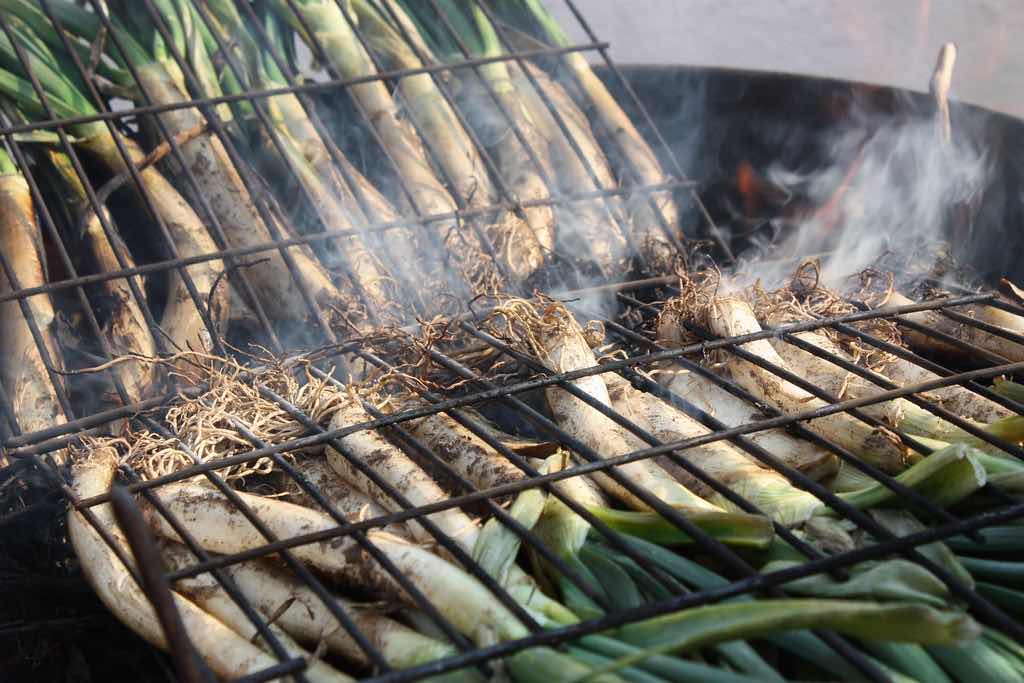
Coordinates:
(649,650)
(188,310)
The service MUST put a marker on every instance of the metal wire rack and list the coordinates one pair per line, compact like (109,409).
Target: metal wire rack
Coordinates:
(27,451)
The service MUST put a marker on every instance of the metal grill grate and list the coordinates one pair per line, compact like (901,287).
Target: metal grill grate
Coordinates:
(28,450)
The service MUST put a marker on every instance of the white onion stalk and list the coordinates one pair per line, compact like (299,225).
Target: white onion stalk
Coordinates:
(181,323)
(219,527)
(302,151)
(729,316)
(355,505)
(473,459)
(492,114)
(935,320)
(555,337)
(398,470)
(588,227)
(33,397)
(161,81)
(720,460)
(562,529)
(635,161)
(898,413)
(387,29)
(956,398)
(346,54)
(224,651)
(206,592)
(307,619)
(733,411)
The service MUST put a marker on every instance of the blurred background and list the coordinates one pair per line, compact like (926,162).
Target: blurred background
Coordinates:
(887,42)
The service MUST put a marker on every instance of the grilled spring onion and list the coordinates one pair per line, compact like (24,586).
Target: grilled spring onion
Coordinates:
(393,35)
(181,322)
(33,396)
(802,644)
(306,619)
(720,460)
(220,527)
(227,653)
(562,530)
(588,228)
(897,413)
(161,82)
(409,479)
(729,316)
(956,398)
(550,333)
(523,175)
(303,152)
(355,505)
(472,458)
(346,55)
(125,325)
(208,594)
(634,160)
(732,411)
(690,629)
(934,320)
(395,39)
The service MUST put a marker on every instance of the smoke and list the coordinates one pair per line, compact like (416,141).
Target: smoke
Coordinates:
(889,187)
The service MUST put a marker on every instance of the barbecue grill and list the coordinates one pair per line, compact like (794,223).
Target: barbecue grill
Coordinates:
(624,307)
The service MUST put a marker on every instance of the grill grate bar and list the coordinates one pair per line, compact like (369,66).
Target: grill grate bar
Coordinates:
(649,358)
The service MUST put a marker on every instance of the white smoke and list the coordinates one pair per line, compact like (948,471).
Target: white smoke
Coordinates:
(888,187)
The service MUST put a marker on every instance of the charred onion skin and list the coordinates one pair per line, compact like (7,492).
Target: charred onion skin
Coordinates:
(731,316)
(229,655)
(935,320)
(25,377)
(182,325)
(733,411)
(235,209)
(124,326)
